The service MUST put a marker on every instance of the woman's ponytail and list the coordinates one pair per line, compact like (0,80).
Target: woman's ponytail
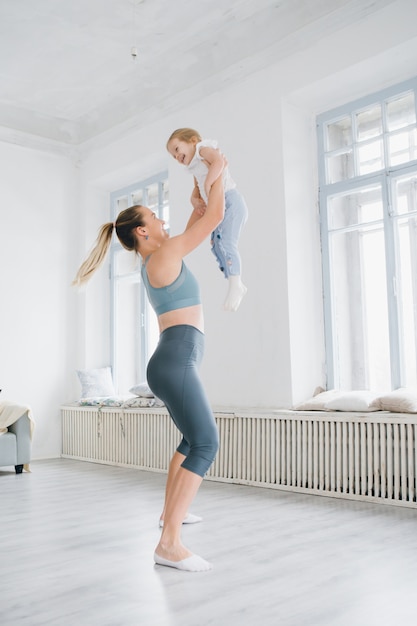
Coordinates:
(96,256)
(126,223)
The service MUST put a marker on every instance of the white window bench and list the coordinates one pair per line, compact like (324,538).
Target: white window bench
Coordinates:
(360,456)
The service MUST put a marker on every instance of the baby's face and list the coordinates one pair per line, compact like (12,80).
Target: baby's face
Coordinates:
(182,151)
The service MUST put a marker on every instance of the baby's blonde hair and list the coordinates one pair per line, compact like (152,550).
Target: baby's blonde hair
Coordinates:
(185,134)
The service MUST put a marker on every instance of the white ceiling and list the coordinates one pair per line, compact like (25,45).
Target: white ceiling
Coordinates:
(67,74)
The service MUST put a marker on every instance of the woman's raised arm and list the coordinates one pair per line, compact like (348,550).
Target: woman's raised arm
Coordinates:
(202,228)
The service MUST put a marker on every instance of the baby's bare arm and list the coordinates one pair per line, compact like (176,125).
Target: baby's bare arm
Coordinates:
(214,160)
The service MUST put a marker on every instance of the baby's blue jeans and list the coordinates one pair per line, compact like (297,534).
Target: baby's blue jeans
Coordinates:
(224,240)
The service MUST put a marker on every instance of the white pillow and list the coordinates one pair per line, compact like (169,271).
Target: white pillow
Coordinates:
(402,400)
(318,402)
(96,383)
(142,389)
(362,400)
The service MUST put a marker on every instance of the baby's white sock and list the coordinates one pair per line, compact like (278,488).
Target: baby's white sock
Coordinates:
(235,293)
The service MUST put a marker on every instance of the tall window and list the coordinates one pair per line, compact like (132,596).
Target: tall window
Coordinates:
(134,329)
(368,209)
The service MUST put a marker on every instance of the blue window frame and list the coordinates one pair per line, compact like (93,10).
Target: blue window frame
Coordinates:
(368,212)
(134,329)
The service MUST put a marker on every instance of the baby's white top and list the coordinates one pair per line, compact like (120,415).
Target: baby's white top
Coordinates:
(199,169)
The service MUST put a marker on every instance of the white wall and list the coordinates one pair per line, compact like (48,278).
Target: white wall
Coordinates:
(237,344)
(39,205)
(269,353)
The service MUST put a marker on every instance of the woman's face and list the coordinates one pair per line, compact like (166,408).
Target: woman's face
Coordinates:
(182,151)
(154,226)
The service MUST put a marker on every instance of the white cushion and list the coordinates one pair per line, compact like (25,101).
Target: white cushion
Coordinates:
(142,389)
(402,400)
(318,402)
(96,383)
(362,400)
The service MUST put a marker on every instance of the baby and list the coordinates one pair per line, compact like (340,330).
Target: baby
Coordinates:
(204,161)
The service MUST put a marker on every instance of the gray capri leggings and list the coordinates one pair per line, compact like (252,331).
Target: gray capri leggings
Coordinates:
(173,377)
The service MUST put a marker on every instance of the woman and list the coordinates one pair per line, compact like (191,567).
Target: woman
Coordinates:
(173,368)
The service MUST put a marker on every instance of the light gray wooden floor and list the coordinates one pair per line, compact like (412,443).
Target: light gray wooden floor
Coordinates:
(77,542)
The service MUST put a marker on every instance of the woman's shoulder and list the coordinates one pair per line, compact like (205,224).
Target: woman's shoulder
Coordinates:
(164,265)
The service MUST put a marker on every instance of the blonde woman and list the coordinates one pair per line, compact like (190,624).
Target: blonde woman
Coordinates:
(173,368)
(204,161)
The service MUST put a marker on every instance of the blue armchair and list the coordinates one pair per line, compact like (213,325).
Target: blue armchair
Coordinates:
(16,444)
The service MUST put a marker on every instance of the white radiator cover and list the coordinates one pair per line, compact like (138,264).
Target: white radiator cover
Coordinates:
(369,456)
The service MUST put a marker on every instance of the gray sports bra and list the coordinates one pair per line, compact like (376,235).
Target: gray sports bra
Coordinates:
(183,292)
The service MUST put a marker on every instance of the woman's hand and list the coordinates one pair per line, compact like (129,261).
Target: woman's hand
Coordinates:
(199,205)
(216,162)
(197,201)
